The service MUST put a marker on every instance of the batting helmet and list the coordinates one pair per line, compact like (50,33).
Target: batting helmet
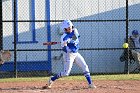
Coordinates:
(66,24)
(135,32)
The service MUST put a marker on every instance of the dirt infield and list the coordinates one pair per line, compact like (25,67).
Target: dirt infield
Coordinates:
(61,86)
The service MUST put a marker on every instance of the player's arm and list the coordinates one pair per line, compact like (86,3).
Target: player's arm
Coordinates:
(75,37)
(76,33)
(64,43)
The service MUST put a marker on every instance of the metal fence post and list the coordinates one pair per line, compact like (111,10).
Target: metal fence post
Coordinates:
(15,39)
(127,26)
(1,28)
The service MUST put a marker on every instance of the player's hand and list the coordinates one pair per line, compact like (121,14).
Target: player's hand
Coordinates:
(65,43)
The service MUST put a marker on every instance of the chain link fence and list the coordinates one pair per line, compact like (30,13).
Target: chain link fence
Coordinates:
(102,24)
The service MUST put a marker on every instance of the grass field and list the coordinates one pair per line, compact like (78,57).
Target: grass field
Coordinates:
(94,77)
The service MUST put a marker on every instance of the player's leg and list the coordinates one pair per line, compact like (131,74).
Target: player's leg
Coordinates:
(68,63)
(82,64)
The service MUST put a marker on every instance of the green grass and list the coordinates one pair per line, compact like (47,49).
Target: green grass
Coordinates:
(94,77)
(29,79)
(118,77)
(108,77)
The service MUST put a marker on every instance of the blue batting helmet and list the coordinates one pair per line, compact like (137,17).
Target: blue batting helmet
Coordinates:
(135,32)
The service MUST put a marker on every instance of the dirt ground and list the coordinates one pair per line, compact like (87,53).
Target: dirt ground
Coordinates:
(61,86)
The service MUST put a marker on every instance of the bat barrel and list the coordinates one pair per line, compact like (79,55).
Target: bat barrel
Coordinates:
(51,43)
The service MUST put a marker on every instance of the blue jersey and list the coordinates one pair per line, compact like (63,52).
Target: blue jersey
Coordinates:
(72,40)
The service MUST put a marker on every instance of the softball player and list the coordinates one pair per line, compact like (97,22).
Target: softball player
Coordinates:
(70,46)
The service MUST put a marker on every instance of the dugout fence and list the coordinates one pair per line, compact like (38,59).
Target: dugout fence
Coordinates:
(102,24)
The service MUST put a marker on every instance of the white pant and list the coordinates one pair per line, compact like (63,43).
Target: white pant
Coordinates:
(69,59)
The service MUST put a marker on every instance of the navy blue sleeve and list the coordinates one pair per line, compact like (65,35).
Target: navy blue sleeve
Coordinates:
(64,49)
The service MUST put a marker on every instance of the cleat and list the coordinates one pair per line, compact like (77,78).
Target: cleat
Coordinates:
(91,86)
(50,82)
